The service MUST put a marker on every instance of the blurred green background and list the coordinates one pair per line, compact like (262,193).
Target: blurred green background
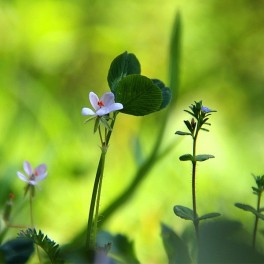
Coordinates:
(53,53)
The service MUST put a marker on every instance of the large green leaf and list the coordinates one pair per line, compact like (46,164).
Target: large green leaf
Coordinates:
(123,65)
(176,249)
(138,95)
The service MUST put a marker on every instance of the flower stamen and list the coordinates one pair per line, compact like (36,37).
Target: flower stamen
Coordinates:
(100,103)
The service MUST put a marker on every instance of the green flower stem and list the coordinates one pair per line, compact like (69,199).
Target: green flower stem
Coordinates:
(95,200)
(256,221)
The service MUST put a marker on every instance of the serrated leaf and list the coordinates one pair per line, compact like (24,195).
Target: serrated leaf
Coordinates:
(186,157)
(203,157)
(50,247)
(184,212)
(122,66)
(181,133)
(165,91)
(210,215)
(138,95)
(176,249)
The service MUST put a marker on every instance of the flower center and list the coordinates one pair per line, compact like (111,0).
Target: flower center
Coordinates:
(100,103)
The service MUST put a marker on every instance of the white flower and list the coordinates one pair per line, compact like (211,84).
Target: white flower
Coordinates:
(103,106)
(33,177)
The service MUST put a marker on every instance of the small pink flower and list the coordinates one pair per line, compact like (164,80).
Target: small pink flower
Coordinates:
(103,106)
(33,176)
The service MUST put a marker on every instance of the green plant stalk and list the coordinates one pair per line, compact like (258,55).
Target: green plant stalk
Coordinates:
(256,222)
(31,194)
(196,221)
(95,200)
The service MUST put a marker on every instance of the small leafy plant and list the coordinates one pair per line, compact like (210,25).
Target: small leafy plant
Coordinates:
(200,116)
(258,211)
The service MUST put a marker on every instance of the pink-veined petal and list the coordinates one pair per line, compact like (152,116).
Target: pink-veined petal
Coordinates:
(27,168)
(115,107)
(41,177)
(108,99)
(87,111)
(94,100)
(41,169)
(22,176)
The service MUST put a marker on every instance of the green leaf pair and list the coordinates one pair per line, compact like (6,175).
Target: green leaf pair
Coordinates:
(138,94)
(187,214)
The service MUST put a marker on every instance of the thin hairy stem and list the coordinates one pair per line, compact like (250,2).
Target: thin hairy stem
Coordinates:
(96,194)
(90,239)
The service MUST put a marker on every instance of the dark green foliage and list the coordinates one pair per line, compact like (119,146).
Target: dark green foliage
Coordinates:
(138,95)
(121,250)
(16,251)
(165,91)
(122,66)
(225,242)
(50,247)
(176,250)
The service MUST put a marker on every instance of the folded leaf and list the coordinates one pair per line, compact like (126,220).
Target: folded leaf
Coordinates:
(123,65)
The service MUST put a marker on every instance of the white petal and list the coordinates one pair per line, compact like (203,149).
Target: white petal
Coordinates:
(94,100)
(102,111)
(22,176)
(115,107)
(87,111)
(108,99)
(27,168)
